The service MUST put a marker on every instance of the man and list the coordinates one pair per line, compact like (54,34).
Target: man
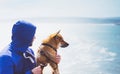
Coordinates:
(17,57)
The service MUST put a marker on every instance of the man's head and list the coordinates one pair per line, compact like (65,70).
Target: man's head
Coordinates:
(23,34)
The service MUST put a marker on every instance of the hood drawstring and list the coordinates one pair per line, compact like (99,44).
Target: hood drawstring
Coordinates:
(30,56)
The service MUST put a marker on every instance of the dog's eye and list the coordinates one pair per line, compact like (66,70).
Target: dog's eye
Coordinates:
(57,38)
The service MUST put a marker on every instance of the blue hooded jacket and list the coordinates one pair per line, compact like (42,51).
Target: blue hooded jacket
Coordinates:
(17,57)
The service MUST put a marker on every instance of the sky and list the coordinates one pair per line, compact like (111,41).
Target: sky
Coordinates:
(59,8)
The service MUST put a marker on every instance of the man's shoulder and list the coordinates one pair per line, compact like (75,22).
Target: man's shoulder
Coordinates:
(6,53)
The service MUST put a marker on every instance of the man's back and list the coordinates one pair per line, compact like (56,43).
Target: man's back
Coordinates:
(13,62)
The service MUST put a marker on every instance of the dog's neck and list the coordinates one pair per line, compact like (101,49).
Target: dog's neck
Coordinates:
(50,46)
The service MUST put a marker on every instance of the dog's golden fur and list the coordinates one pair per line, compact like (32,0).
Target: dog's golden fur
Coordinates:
(47,52)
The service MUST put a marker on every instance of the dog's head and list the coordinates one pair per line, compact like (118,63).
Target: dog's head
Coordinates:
(59,39)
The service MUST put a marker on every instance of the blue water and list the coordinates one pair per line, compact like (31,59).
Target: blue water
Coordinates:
(94,48)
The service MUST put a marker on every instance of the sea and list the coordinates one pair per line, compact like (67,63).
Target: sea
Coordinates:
(94,48)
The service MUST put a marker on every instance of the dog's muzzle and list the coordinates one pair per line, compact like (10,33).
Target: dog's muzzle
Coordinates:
(64,45)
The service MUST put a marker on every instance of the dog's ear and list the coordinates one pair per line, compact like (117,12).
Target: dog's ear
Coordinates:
(57,33)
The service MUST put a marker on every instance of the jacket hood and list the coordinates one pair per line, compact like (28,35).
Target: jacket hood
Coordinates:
(22,35)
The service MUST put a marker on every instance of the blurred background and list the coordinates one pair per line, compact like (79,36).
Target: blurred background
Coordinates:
(91,27)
